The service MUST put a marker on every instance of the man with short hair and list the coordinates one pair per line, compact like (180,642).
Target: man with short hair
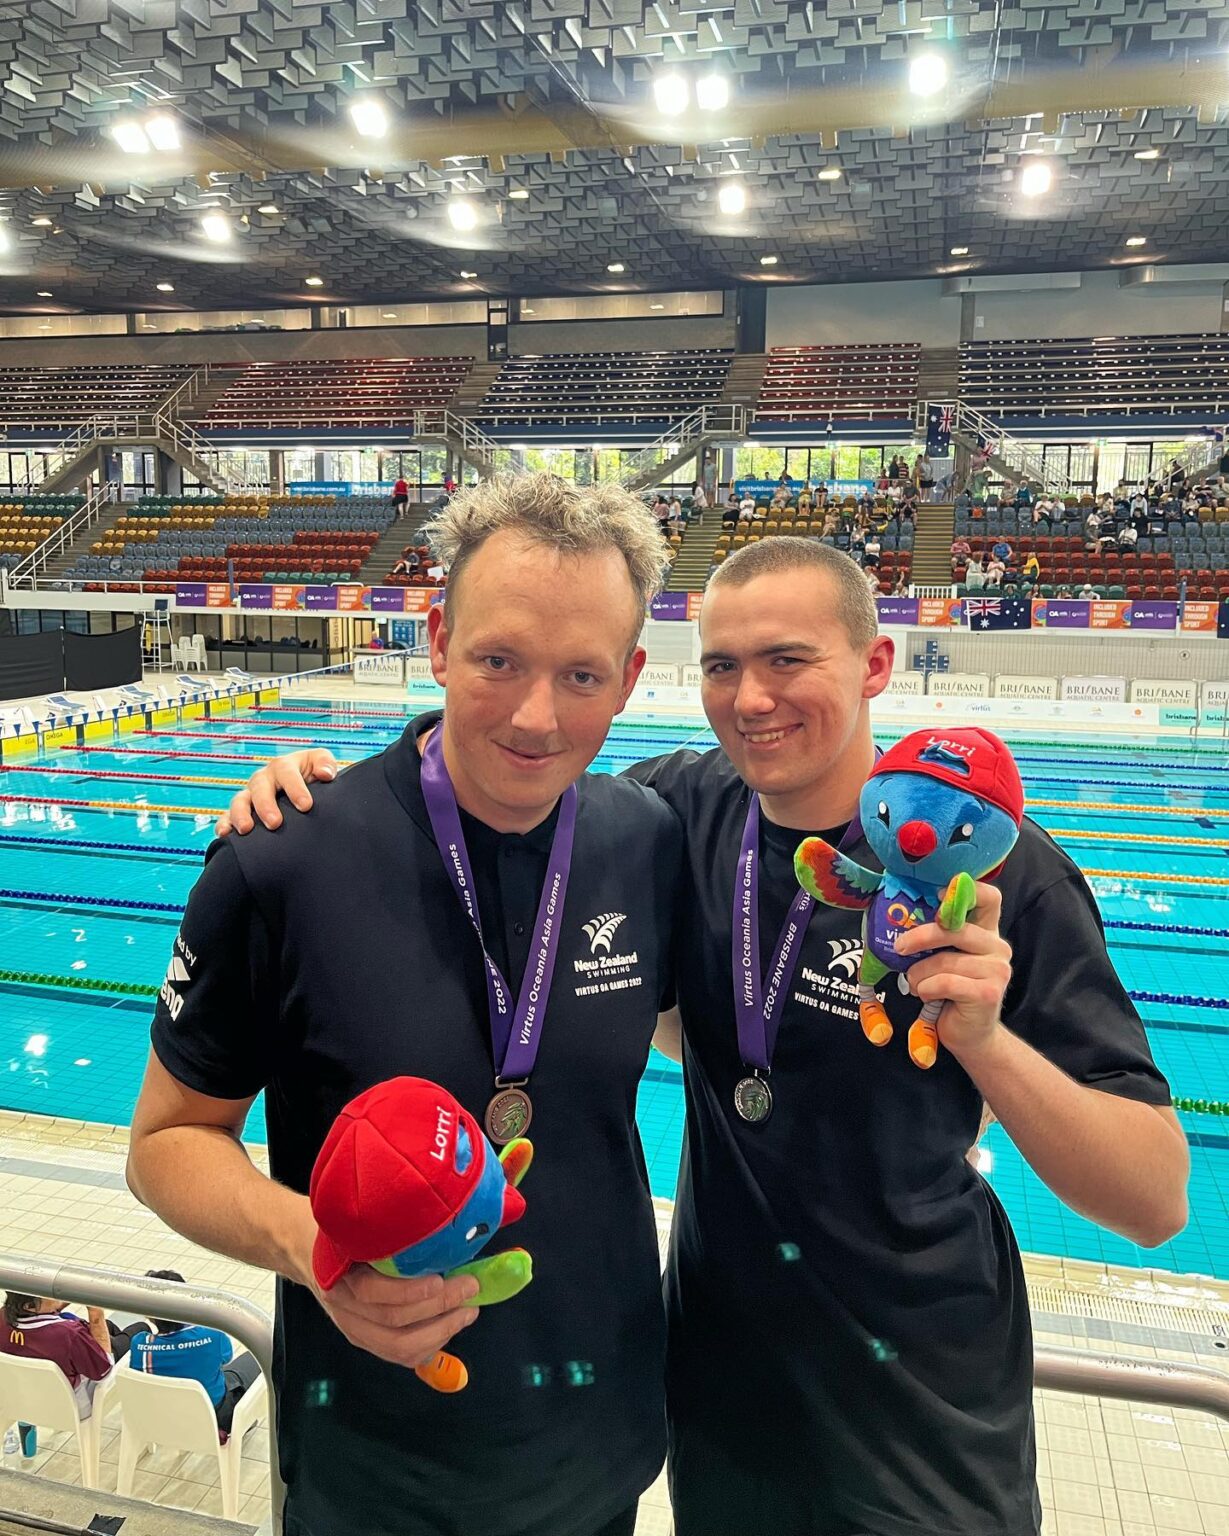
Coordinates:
(472,908)
(850,1347)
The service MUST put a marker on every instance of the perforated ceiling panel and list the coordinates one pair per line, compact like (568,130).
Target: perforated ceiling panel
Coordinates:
(556,98)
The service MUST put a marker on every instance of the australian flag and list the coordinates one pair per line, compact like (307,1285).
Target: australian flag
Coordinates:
(939,422)
(986,613)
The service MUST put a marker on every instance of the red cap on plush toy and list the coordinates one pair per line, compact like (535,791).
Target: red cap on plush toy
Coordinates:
(967,757)
(380,1182)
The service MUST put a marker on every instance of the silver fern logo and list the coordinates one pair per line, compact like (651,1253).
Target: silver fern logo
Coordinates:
(602,929)
(846,956)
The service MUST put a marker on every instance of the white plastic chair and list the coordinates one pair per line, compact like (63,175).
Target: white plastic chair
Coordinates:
(160,1410)
(198,655)
(37,1392)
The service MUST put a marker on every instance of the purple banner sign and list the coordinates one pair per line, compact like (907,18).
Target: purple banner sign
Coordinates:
(897,610)
(190,594)
(1061,613)
(669,605)
(1154,614)
(320,599)
(388,599)
(252,595)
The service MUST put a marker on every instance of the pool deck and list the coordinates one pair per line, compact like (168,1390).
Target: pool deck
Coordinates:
(1105,1468)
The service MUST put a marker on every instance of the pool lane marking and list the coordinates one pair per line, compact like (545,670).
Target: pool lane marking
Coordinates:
(135,808)
(199,757)
(121,773)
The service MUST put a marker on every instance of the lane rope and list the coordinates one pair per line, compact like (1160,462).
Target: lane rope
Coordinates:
(113,805)
(92,901)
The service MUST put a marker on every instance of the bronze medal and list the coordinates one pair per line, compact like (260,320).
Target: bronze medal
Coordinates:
(508,1115)
(753,1100)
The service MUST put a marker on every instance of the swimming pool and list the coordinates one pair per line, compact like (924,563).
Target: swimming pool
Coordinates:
(100,845)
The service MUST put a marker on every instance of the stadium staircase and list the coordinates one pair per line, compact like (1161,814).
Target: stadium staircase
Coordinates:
(745,378)
(939,374)
(392,541)
(1008,456)
(695,557)
(462,437)
(685,440)
(474,388)
(932,546)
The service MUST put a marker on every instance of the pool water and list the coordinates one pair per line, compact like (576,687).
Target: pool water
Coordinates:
(99,847)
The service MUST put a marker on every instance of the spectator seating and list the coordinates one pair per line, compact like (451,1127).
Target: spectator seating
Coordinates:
(860,382)
(250,538)
(895,539)
(596,389)
(351,392)
(1096,376)
(59,399)
(25,521)
(420,577)
(1191,551)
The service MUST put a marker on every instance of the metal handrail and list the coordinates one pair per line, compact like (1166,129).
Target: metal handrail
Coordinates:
(86,515)
(1007,447)
(93,1285)
(705,421)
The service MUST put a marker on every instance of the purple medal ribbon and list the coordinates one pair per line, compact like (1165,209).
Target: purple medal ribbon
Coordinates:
(758,1001)
(515,1037)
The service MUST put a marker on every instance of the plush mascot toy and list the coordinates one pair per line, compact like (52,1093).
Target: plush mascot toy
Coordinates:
(407,1183)
(941,810)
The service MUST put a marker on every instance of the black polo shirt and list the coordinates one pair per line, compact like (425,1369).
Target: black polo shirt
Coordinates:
(849,1339)
(333,954)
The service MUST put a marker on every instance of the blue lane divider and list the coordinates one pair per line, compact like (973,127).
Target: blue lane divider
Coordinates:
(1182,1001)
(1187,928)
(92,901)
(88,845)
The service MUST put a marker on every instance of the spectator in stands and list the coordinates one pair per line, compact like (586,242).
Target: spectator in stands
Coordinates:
(401,495)
(896,470)
(450,483)
(963,502)
(974,575)
(1138,505)
(805,502)
(409,563)
(729,513)
(1087,590)
(746,508)
(191,1352)
(995,570)
(661,511)
(872,580)
(872,548)
(676,515)
(1222,464)
(831,523)
(1127,536)
(1092,529)
(960,551)
(1001,550)
(900,587)
(1032,568)
(785,483)
(924,475)
(1175,475)
(699,501)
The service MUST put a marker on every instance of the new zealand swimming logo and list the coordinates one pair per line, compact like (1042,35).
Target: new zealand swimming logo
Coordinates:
(846,956)
(601,929)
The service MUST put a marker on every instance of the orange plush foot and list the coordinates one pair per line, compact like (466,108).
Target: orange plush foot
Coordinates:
(923,1044)
(876,1025)
(443,1374)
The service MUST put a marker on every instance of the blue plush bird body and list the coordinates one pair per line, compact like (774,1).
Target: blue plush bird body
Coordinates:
(939,812)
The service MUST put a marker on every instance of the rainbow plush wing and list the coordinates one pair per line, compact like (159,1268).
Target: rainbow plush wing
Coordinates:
(832,878)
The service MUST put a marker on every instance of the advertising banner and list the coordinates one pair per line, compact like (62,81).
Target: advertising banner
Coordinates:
(1060,613)
(940,612)
(1095,690)
(958,685)
(897,610)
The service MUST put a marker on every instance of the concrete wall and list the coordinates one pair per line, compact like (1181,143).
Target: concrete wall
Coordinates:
(248,347)
(676,334)
(1190,300)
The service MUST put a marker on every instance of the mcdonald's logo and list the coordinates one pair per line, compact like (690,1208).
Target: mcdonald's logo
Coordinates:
(16,1336)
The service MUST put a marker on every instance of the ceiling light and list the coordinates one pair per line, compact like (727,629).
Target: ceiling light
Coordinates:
(462,214)
(166,287)
(369,118)
(830,173)
(41,222)
(268,208)
(519,194)
(388,314)
(615,266)
(216,227)
(44,293)
(526,310)
(1036,178)
(1147,154)
(960,250)
(129,136)
(671,94)
(163,131)
(732,197)
(927,74)
(657,306)
(768,261)
(469,274)
(1137,240)
(712,93)
(314,282)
